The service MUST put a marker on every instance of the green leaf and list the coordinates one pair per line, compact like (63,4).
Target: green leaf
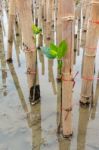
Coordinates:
(46,50)
(62,49)
(60,64)
(53,53)
(36,30)
(53,47)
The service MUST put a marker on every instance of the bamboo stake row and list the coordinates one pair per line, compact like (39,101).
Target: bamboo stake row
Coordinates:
(11,22)
(90,53)
(24,12)
(3,61)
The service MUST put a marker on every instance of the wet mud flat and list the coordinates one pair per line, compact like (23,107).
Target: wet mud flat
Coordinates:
(26,127)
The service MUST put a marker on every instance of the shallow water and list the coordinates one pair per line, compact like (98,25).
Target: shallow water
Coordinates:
(25,127)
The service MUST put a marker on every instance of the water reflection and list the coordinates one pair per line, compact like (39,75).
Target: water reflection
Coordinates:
(3,62)
(17,42)
(64,144)
(84,114)
(36,127)
(33,116)
(95,101)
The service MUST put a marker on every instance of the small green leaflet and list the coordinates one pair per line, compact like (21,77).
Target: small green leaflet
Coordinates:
(62,49)
(53,47)
(47,52)
(54,51)
(36,30)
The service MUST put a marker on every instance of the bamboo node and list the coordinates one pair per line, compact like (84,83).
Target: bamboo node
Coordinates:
(68,109)
(88,78)
(68,18)
(91,48)
(64,73)
(30,71)
(71,79)
(67,79)
(93,2)
(89,55)
(87,97)
(10,41)
(27,49)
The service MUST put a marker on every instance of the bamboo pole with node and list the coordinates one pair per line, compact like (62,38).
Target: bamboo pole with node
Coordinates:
(67,18)
(11,23)
(90,54)
(49,37)
(59,85)
(86,15)
(0,6)
(25,17)
(58,30)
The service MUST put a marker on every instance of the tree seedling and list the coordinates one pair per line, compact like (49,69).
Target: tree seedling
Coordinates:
(56,52)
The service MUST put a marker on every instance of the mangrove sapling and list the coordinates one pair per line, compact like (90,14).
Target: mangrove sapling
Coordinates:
(35,91)
(56,52)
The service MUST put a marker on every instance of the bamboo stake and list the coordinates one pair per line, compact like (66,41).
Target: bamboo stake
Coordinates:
(36,11)
(41,57)
(75,47)
(87,15)
(0,6)
(33,123)
(59,23)
(49,38)
(11,29)
(82,128)
(64,144)
(95,101)
(78,37)
(89,55)
(78,17)
(59,85)
(25,15)
(58,31)
(3,61)
(19,91)
(49,20)
(17,42)
(67,18)
(59,106)
(40,11)
(44,9)
(36,127)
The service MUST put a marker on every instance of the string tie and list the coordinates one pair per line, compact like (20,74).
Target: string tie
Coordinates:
(29,71)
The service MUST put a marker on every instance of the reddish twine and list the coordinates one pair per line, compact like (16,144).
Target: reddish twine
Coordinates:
(29,50)
(89,79)
(94,21)
(29,71)
(91,48)
(71,80)
(68,110)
